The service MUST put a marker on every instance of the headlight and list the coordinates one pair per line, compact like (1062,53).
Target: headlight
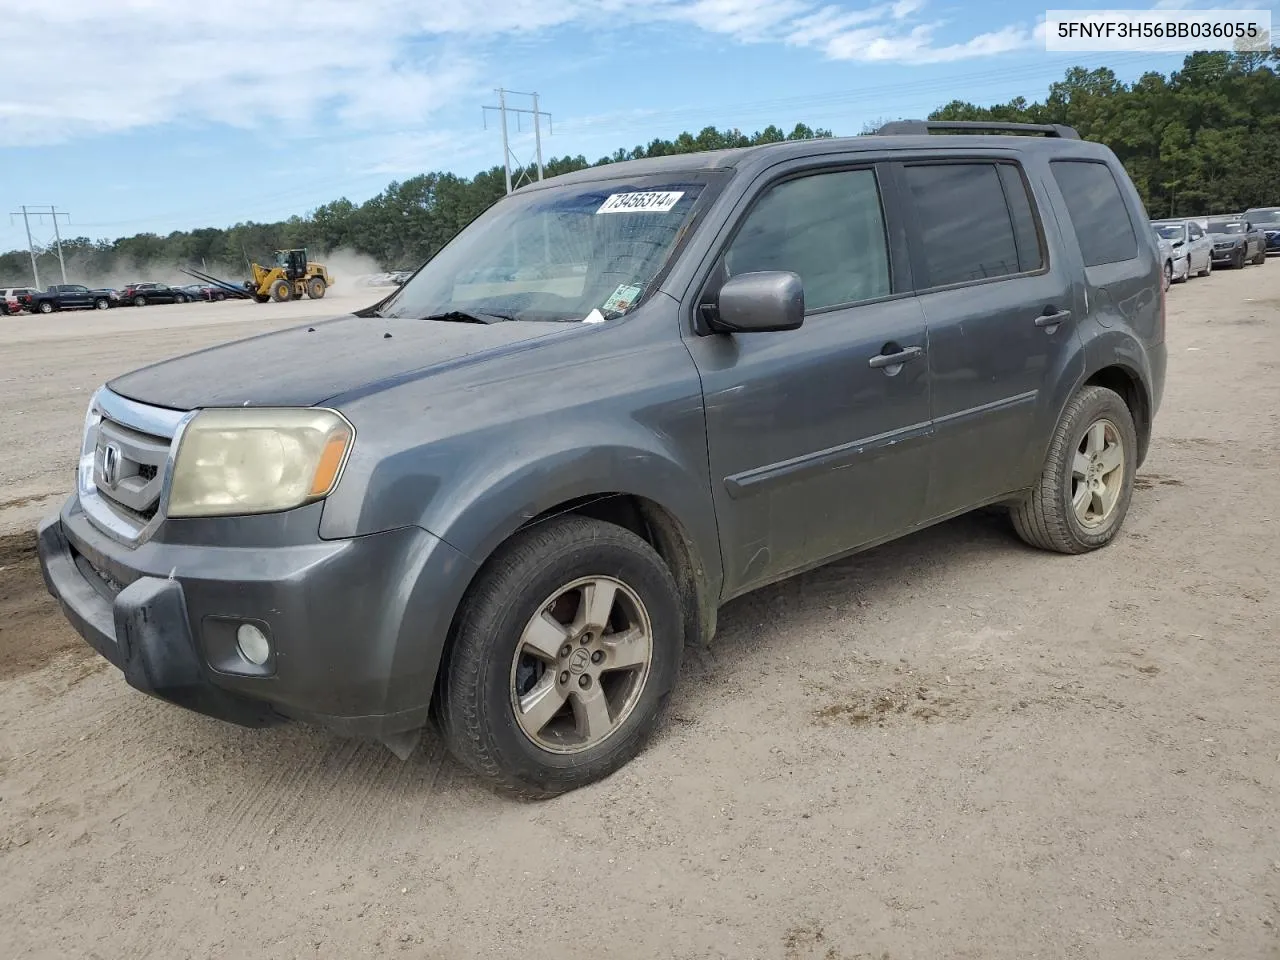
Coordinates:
(257,460)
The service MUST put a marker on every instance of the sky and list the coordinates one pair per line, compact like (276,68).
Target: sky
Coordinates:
(158,115)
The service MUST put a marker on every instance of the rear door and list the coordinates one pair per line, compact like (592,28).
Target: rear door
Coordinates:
(76,296)
(817,440)
(1002,322)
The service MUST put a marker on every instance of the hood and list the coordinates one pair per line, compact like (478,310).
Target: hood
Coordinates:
(321,360)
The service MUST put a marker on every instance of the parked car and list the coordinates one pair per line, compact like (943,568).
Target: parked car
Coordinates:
(72,296)
(141,294)
(776,356)
(1167,258)
(18,298)
(1236,242)
(1191,246)
(1267,219)
(199,291)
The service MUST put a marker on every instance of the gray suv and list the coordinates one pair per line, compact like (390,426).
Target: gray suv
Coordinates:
(508,495)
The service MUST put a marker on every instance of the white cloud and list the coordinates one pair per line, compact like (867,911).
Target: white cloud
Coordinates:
(353,66)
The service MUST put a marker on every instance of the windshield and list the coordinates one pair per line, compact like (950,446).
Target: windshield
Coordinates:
(586,251)
(1170,231)
(1267,215)
(1226,226)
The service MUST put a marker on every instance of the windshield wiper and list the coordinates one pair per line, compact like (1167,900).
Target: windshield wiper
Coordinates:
(463,316)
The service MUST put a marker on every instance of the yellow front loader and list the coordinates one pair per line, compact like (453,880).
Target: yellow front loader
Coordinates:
(292,277)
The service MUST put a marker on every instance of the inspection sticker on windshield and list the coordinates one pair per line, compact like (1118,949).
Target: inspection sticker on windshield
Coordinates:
(622,298)
(660,201)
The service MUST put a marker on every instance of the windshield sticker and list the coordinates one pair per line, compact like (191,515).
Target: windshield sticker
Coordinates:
(652,202)
(621,299)
(595,316)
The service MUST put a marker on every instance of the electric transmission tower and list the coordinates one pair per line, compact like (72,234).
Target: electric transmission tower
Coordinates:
(39,211)
(508,155)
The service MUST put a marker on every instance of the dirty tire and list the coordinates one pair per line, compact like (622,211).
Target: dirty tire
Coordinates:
(1261,258)
(1208,267)
(1168,274)
(472,705)
(180,298)
(1045,518)
(46,306)
(139,301)
(281,291)
(102,303)
(315,288)
(1237,260)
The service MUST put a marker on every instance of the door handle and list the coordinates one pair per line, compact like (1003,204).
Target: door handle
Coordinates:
(1053,319)
(896,359)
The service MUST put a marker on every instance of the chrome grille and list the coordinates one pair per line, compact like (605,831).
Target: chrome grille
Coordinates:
(127,467)
(125,464)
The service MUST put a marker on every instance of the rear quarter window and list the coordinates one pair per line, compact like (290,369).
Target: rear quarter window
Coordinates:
(1099,214)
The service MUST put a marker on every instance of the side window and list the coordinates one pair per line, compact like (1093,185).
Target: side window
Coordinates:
(967,229)
(1196,232)
(826,227)
(1098,211)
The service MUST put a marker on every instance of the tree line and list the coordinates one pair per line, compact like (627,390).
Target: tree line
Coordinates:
(1203,139)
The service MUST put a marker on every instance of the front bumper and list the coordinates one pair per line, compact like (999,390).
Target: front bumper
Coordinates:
(357,626)
(1273,242)
(1225,255)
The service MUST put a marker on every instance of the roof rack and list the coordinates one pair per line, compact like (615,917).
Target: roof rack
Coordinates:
(909,127)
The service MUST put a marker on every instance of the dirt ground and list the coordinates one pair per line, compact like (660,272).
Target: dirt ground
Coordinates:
(949,747)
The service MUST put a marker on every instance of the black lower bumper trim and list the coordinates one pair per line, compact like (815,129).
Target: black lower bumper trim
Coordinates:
(145,634)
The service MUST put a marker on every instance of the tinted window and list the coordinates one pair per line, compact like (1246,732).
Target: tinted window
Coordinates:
(828,228)
(966,227)
(1098,211)
(1196,232)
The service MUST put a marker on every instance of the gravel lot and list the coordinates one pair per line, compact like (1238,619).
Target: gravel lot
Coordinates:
(951,746)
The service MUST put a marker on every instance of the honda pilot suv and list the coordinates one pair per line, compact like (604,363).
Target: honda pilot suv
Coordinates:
(508,495)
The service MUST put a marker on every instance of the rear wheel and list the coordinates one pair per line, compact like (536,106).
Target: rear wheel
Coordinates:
(45,307)
(1083,494)
(139,301)
(1168,274)
(281,291)
(1261,257)
(219,296)
(562,658)
(315,288)
(1208,267)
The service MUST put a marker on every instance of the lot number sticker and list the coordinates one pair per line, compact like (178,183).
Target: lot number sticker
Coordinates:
(653,202)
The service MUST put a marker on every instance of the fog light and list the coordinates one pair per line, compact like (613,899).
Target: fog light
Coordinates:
(253,644)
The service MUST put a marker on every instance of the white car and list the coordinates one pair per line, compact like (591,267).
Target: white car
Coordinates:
(1192,247)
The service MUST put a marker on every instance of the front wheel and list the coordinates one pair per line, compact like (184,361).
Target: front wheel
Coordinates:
(561,659)
(180,298)
(1237,259)
(102,303)
(1083,494)
(1168,274)
(282,291)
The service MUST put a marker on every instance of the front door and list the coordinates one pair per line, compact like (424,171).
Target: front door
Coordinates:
(818,436)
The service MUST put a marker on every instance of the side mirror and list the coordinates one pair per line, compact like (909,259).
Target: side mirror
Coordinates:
(760,303)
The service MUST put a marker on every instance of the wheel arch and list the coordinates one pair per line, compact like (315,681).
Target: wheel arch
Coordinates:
(1128,383)
(662,530)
